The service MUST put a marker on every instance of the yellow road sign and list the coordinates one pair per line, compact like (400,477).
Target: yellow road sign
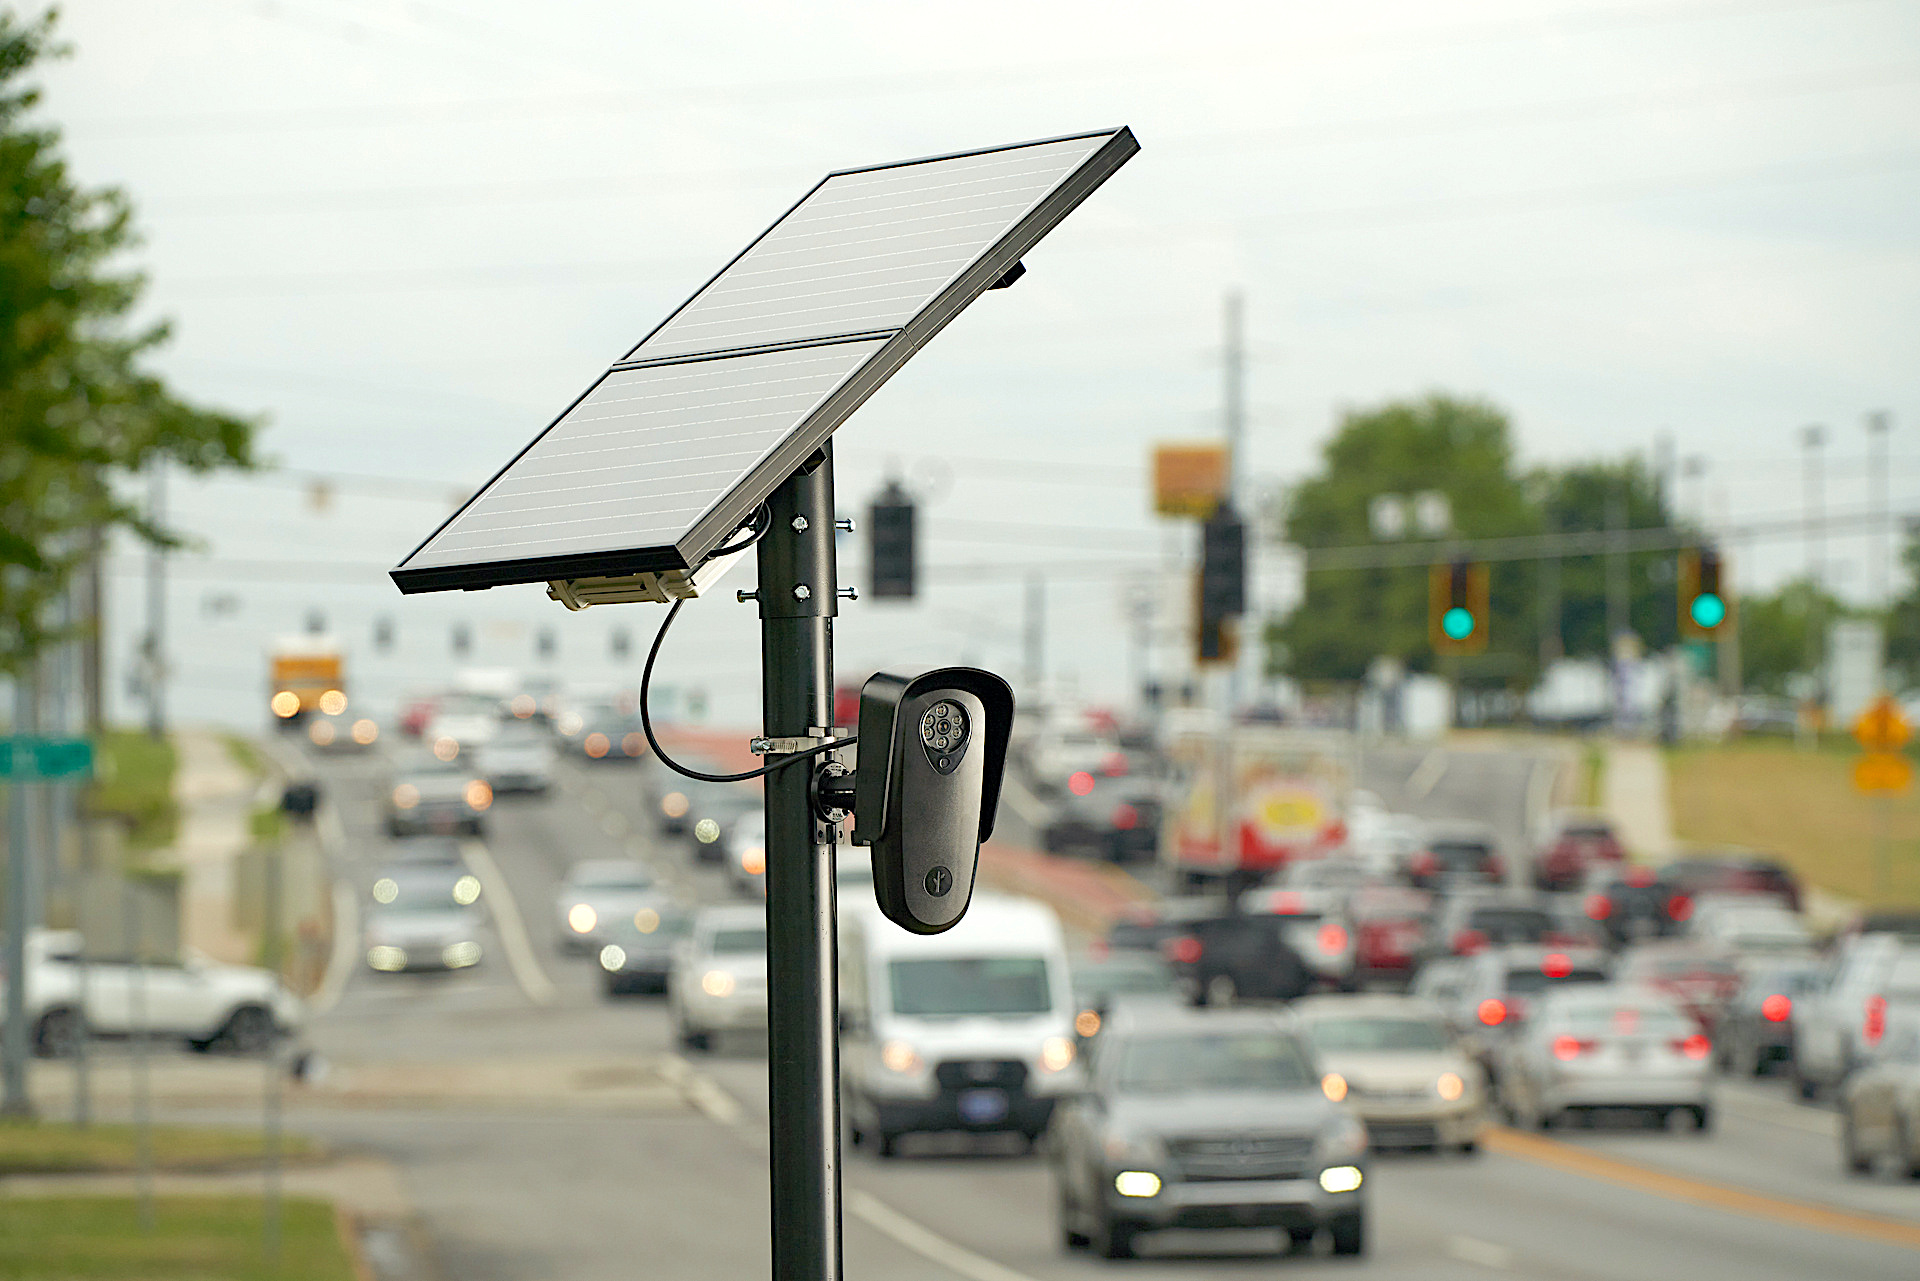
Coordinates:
(1882,727)
(1189,479)
(1878,773)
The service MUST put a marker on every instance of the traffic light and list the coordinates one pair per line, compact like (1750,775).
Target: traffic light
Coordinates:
(1222,587)
(1457,613)
(891,563)
(1706,607)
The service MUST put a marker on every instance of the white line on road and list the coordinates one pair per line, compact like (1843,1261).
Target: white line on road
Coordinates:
(701,1091)
(1484,1253)
(1770,1112)
(1025,803)
(955,1258)
(1427,773)
(506,917)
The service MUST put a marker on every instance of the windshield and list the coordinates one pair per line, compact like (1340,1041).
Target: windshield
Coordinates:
(958,986)
(731,942)
(1624,1019)
(1213,1061)
(1403,1035)
(1119,980)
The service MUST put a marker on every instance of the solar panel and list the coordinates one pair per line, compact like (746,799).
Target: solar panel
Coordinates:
(672,448)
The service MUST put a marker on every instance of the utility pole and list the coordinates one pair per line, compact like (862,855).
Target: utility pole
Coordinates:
(1879,428)
(1036,637)
(1813,437)
(14,1037)
(156,607)
(799,598)
(1234,402)
(1619,616)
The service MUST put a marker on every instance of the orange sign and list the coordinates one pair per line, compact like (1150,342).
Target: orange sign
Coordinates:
(1880,773)
(1189,480)
(1882,727)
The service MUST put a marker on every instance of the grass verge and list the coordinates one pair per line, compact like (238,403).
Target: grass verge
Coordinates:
(193,1239)
(134,785)
(1802,807)
(46,1147)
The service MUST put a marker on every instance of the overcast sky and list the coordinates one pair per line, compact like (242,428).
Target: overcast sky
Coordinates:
(409,233)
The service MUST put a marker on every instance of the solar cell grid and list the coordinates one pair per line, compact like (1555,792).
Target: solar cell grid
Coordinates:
(671,449)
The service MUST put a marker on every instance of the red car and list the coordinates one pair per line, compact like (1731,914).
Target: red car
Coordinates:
(1575,843)
(1702,983)
(1389,923)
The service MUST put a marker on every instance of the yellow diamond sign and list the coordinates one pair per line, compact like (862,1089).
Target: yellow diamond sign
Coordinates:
(1880,773)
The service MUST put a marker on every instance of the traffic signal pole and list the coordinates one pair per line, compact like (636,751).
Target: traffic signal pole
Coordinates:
(798,595)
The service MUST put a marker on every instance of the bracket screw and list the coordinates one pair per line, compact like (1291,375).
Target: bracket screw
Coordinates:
(845,526)
(799,524)
(849,593)
(803,592)
(744,596)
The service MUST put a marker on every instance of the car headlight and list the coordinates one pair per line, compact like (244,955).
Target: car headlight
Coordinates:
(406,796)
(717,983)
(898,1056)
(612,957)
(1056,1054)
(1140,1183)
(581,918)
(457,956)
(387,957)
(1450,1087)
(706,831)
(1344,1140)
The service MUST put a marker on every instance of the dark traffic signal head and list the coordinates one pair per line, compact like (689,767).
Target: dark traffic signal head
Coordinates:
(1457,607)
(891,562)
(1704,603)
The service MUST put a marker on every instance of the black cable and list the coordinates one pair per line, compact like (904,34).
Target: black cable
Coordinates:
(646,723)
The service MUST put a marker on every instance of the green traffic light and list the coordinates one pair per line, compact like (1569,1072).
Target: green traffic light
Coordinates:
(1708,610)
(1457,623)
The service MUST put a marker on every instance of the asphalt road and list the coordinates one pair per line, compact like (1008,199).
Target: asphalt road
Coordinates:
(556,1187)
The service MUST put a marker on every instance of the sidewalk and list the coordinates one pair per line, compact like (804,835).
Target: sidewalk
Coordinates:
(216,798)
(1633,793)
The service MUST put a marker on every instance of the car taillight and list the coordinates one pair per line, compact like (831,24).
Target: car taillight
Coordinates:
(1679,907)
(1332,939)
(1556,965)
(1186,949)
(1125,818)
(1080,783)
(1492,1012)
(1493,867)
(1875,1025)
(1115,765)
(1467,942)
(1599,907)
(1776,1008)
(1424,864)
(1694,1047)
(1568,1048)
(1640,877)
(1285,903)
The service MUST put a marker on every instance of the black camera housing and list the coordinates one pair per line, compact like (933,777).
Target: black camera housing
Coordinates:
(933,749)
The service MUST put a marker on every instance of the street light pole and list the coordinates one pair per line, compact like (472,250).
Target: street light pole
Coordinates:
(798,596)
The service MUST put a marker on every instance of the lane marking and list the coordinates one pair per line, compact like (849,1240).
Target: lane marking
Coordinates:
(701,1091)
(1540,782)
(1427,773)
(1678,1187)
(955,1258)
(345,952)
(506,919)
(1025,803)
(1786,1115)
(1484,1253)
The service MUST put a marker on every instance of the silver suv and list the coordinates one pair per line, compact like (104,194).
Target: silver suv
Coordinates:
(1206,1119)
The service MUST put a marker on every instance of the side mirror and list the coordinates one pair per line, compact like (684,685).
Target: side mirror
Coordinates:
(933,750)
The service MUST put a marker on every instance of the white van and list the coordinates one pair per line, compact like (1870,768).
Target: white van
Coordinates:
(967,1030)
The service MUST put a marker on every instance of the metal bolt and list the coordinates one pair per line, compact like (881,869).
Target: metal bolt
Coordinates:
(845,525)
(849,593)
(799,524)
(743,596)
(802,592)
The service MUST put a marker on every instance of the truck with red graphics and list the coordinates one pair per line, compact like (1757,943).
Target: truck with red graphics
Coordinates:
(1247,800)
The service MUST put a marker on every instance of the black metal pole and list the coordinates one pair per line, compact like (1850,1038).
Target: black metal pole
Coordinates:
(798,595)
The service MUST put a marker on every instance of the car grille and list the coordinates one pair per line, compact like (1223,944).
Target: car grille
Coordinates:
(1401,1134)
(973,1074)
(1242,1156)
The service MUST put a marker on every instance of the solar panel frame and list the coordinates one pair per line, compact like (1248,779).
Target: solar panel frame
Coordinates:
(738,501)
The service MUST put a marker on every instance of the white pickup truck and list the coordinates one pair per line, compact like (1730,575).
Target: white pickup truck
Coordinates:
(201,1002)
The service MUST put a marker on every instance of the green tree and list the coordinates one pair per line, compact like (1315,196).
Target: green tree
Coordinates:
(1593,496)
(1461,448)
(1784,633)
(1903,618)
(77,411)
